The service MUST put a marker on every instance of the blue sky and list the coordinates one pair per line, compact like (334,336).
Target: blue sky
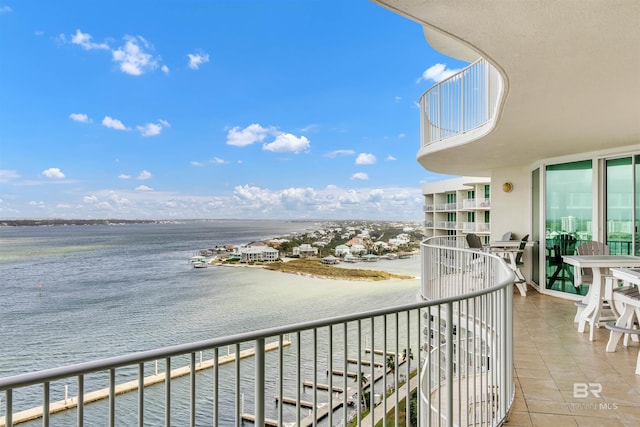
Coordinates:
(212,109)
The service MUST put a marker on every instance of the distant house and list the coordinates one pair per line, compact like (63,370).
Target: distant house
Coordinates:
(357,249)
(381,245)
(259,253)
(342,250)
(305,251)
(330,260)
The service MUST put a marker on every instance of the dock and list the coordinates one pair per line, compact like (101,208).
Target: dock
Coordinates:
(323,408)
(365,362)
(94,396)
(322,386)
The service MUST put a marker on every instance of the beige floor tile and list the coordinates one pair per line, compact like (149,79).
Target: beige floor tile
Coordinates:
(547,407)
(551,357)
(598,422)
(547,420)
(519,419)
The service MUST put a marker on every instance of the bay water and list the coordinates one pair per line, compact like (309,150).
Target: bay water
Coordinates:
(73,294)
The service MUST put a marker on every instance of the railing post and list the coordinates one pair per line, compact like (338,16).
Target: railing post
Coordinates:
(260,380)
(8,413)
(449,364)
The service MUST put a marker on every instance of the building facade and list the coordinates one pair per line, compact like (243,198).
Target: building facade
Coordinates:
(457,206)
(558,137)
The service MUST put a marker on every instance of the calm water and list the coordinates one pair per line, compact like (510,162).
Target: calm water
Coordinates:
(78,293)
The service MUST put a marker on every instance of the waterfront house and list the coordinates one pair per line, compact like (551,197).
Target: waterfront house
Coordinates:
(305,250)
(259,253)
(342,250)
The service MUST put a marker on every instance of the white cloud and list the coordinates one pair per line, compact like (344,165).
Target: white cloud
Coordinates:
(84,40)
(150,129)
(437,73)
(214,161)
(113,123)
(197,59)
(287,142)
(402,135)
(5,9)
(8,175)
(164,123)
(330,202)
(360,176)
(124,176)
(247,136)
(339,153)
(63,206)
(365,159)
(144,175)
(133,58)
(79,117)
(390,158)
(53,173)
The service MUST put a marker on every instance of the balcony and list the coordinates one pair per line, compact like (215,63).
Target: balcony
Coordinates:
(446,225)
(457,334)
(460,104)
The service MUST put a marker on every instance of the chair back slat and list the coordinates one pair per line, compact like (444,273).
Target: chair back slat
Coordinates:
(593,248)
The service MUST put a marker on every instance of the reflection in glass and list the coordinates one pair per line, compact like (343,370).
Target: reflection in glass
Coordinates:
(619,206)
(568,217)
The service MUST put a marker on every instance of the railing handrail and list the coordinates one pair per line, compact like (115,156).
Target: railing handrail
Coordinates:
(491,281)
(53,374)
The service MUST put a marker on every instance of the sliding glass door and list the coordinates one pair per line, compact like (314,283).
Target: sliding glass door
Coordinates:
(568,220)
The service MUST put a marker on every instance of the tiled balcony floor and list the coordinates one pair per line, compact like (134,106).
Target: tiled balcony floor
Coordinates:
(550,356)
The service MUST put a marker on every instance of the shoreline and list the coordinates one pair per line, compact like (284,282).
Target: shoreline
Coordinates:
(366,277)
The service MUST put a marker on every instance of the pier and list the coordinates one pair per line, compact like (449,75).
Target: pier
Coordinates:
(94,396)
(323,408)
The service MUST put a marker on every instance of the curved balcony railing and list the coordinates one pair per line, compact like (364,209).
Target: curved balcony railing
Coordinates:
(458,333)
(467,375)
(463,102)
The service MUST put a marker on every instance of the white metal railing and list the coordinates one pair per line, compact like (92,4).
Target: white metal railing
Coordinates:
(468,227)
(460,103)
(447,225)
(445,206)
(458,331)
(483,203)
(483,227)
(467,375)
(468,204)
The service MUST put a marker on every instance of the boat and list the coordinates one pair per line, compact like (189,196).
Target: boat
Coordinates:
(199,261)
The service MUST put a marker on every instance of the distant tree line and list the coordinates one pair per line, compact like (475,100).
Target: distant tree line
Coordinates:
(41,222)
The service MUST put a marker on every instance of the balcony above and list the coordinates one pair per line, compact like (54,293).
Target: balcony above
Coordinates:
(569,72)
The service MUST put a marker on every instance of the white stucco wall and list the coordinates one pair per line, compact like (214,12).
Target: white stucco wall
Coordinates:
(512,211)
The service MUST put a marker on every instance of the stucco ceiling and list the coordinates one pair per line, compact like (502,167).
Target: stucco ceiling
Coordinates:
(571,68)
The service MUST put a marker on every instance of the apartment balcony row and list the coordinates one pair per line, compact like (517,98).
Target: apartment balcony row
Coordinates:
(452,347)
(467,227)
(466,204)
